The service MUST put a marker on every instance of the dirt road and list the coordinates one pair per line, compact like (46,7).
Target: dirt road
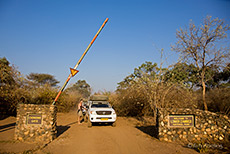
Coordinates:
(73,138)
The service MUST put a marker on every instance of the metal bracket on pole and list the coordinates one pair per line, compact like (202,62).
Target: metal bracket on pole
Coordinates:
(74,70)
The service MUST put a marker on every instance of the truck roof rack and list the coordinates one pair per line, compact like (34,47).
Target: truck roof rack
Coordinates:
(99,98)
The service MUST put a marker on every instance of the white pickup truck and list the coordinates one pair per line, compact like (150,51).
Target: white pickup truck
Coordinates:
(100,111)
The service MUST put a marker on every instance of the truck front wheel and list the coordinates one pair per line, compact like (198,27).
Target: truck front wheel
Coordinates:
(114,124)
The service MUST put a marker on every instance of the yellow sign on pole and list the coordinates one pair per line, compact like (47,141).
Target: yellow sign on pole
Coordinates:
(73,71)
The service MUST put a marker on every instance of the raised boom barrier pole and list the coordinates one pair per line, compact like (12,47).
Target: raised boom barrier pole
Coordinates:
(74,70)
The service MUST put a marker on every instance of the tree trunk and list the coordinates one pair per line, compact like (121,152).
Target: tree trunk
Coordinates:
(203,93)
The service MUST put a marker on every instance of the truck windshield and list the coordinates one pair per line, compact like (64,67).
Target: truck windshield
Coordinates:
(99,105)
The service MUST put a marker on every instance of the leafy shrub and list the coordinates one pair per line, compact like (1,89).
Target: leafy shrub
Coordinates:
(130,102)
(68,101)
(141,99)
(218,100)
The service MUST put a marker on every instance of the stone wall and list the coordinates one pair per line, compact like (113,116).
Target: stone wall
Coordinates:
(208,127)
(36,123)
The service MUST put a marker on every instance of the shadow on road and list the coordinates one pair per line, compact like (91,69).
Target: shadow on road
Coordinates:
(150,130)
(61,129)
(102,124)
(7,127)
(72,123)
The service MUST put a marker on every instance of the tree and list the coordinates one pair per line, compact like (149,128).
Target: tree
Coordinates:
(146,70)
(225,75)
(6,72)
(82,87)
(9,83)
(182,73)
(203,47)
(42,79)
(221,79)
(149,88)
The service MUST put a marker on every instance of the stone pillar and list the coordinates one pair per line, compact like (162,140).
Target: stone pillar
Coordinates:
(36,123)
(208,126)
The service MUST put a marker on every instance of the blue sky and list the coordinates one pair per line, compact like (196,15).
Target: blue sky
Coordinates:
(49,36)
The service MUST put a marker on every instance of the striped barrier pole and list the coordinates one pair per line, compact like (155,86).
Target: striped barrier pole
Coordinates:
(74,70)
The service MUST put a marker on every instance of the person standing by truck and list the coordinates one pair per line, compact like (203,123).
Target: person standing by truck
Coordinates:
(79,111)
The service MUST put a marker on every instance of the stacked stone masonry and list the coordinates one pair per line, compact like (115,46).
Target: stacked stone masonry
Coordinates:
(209,127)
(43,131)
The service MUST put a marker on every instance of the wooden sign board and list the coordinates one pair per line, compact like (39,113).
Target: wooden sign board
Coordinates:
(181,121)
(34,119)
